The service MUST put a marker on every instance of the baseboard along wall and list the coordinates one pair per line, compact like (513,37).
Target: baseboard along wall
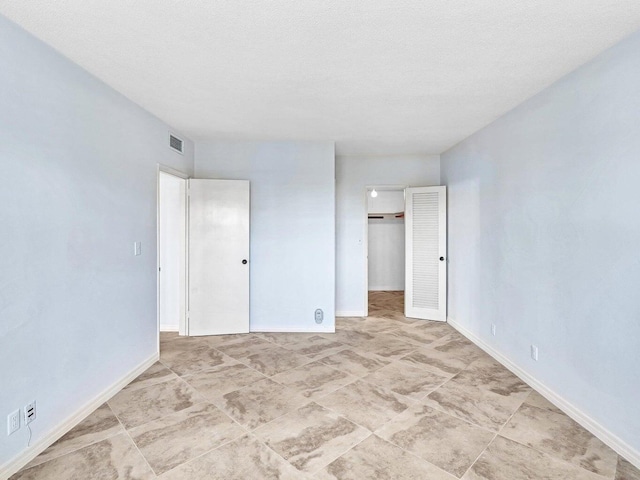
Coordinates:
(597,429)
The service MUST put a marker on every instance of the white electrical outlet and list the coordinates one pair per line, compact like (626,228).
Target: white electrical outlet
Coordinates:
(29,412)
(493,329)
(534,352)
(13,422)
(137,248)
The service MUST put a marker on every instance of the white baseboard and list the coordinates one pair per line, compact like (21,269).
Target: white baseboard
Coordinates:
(386,288)
(23,458)
(599,430)
(169,328)
(294,330)
(352,313)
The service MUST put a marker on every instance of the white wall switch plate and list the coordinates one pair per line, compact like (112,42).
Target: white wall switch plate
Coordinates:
(13,422)
(534,352)
(29,412)
(493,329)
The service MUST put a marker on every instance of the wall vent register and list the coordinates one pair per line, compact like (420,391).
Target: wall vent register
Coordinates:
(175,143)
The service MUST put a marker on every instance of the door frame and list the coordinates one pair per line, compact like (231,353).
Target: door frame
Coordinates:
(184,176)
(365,235)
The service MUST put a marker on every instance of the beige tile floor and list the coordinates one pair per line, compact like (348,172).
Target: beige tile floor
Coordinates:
(385,397)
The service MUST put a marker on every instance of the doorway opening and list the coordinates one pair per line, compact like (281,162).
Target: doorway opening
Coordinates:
(385,246)
(172,250)
(203,255)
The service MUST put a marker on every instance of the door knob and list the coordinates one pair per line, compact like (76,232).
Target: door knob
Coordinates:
(244,262)
(442,259)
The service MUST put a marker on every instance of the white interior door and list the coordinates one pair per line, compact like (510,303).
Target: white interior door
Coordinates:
(172,235)
(426,253)
(218,257)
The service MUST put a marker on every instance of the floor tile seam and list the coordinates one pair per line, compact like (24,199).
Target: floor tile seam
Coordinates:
(274,343)
(421,399)
(315,472)
(480,455)
(503,435)
(490,393)
(245,429)
(204,401)
(209,369)
(318,358)
(510,417)
(413,454)
(430,369)
(480,388)
(114,434)
(392,358)
(557,458)
(134,387)
(192,388)
(344,416)
(141,454)
(399,363)
(205,453)
(305,474)
(247,365)
(288,369)
(355,379)
(364,379)
(441,410)
(304,404)
(411,401)
(336,368)
(418,343)
(562,414)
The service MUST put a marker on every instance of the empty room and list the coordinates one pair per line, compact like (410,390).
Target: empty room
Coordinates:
(347,240)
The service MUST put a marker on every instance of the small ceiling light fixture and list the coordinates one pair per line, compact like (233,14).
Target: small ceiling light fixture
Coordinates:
(374,194)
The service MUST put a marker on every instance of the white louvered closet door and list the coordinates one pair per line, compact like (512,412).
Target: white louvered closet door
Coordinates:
(426,253)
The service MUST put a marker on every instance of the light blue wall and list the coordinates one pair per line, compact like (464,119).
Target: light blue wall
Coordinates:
(77,188)
(292,227)
(544,237)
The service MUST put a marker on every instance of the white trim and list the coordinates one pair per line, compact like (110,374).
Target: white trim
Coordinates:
(23,458)
(176,173)
(351,313)
(597,429)
(169,328)
(172,171)
(386,288)
(293,330)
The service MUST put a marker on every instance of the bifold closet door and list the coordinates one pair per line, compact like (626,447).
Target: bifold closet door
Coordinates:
(426,255)
(218,257)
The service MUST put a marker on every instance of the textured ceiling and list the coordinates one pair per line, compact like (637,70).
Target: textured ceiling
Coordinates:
(376,76)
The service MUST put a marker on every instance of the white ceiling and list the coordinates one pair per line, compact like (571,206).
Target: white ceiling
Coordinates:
(376,76)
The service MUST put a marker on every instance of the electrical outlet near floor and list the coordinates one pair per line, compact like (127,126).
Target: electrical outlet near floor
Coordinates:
(29,412)
(534,352)
(13,422)
(493,329)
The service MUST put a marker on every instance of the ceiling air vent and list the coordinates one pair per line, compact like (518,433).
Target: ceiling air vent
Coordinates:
(175,143)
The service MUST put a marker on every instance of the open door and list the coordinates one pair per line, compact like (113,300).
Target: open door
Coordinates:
(426,253)
(218,257)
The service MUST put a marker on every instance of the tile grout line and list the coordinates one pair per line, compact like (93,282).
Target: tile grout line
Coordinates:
(25,468)
(141,454)
(547,454)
